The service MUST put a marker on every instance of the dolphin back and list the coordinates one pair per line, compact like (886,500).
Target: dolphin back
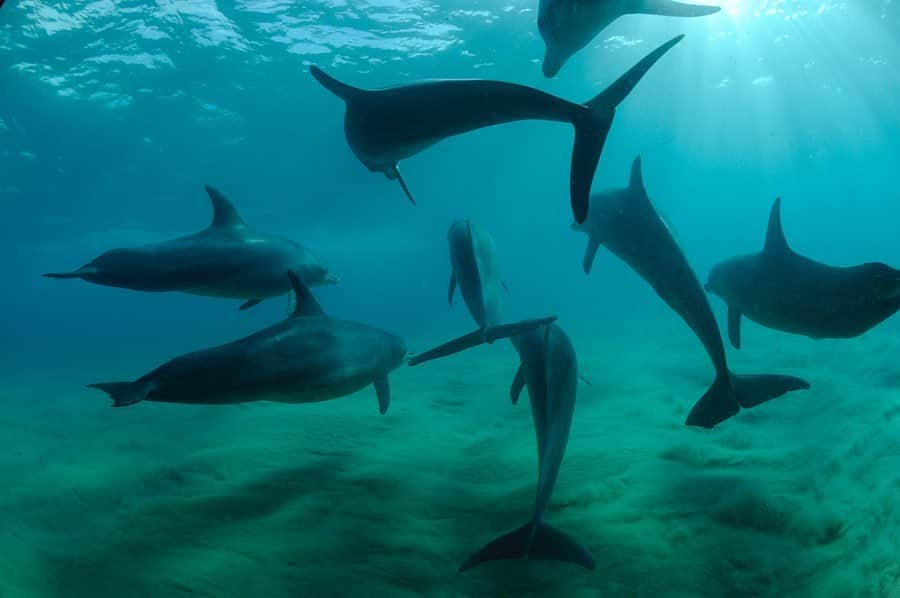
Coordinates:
(536,540)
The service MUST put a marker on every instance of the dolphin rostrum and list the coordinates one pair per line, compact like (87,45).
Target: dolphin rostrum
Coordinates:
(227,259)
(567,26)
(306,358)
(626,222)
(784,290)
(385,126)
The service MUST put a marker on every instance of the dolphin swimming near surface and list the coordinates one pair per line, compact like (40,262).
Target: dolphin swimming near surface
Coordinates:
(385,126)
(626,222)
(567,26)
(227,259)
(306,358)
(549,369)
(784,290)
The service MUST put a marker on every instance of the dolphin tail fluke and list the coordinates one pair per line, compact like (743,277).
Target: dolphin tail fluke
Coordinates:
(479,337)
(533,540)
(751,391)
(80,273)
(592,128)
(669,8)
(718,404)
(125,393)
(341,90)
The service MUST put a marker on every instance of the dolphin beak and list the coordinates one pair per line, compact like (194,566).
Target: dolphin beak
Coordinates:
(332,279)
(552,63)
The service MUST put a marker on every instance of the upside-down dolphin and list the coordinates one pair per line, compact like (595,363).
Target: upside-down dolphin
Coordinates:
(567,26)
(387,125)
(626,222)
(784,290)
(227,259)
(549,369)
(306,358)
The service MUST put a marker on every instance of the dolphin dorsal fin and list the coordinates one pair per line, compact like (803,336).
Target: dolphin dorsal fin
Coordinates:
(775,241)
(224,212)
(304,303)
(636,182)
(342,90)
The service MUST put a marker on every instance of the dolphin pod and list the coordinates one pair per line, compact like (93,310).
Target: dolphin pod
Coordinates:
(306,358)
(567,26)
(626,222)
(227,259)
(784,290)
(385,126)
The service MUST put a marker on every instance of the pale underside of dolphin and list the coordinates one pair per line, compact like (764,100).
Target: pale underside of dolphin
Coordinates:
(626,222)
(786,291)
(567,26)
(308,357)
(227,259)
(385,126)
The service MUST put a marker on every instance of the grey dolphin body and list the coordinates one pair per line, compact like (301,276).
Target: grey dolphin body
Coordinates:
(306,358)
(549,369)
(567,26)
(474,270)
(784,290)
(388,125)
(626,222)
(227,259)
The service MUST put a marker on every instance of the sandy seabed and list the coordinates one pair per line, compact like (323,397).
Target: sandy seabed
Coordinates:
(800,497)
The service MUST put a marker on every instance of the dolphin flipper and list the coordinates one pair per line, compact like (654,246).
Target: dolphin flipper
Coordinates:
(479,337)
(518,384)
(534,540)
(751,391)
(126,393)
(452,288)
(669,8)
(734,327)
(589,254)
(383,392)
(250,303)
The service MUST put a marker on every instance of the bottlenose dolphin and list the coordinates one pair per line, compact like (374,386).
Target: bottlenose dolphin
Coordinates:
(625,221)
(227,259)
(784,290)
(388,125)
(306,358)
(567,26)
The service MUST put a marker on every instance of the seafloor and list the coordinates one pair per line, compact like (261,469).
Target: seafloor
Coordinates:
(797,498)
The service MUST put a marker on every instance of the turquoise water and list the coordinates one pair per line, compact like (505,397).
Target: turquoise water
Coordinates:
(113,115)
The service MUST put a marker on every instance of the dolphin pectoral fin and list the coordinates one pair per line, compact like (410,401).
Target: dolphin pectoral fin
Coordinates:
(589,254)
(383,392)
(452,288)
(585,379)
(79,273)
(751,391)
(533,540)
(669,8)
(250,303)
(734,327)
(518,384)
(126,393)
(395,174)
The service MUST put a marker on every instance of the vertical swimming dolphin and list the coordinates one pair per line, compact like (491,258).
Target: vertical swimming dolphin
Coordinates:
(626,222)
(567,26)
(385,126)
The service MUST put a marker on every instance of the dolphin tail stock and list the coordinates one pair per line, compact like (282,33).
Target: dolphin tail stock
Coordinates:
(592,128)
(338,88)
(536,540)
(479,337)
(751,391)
(670,8)
(124,394)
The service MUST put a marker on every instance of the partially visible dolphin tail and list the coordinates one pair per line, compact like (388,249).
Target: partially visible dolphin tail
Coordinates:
(533,540)
(479,337)
(592,128)
(670,8)
(729,393)
(79,273)
(126,393)
(341,90)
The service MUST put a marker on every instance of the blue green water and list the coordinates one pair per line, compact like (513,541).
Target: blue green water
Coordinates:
(113,115)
